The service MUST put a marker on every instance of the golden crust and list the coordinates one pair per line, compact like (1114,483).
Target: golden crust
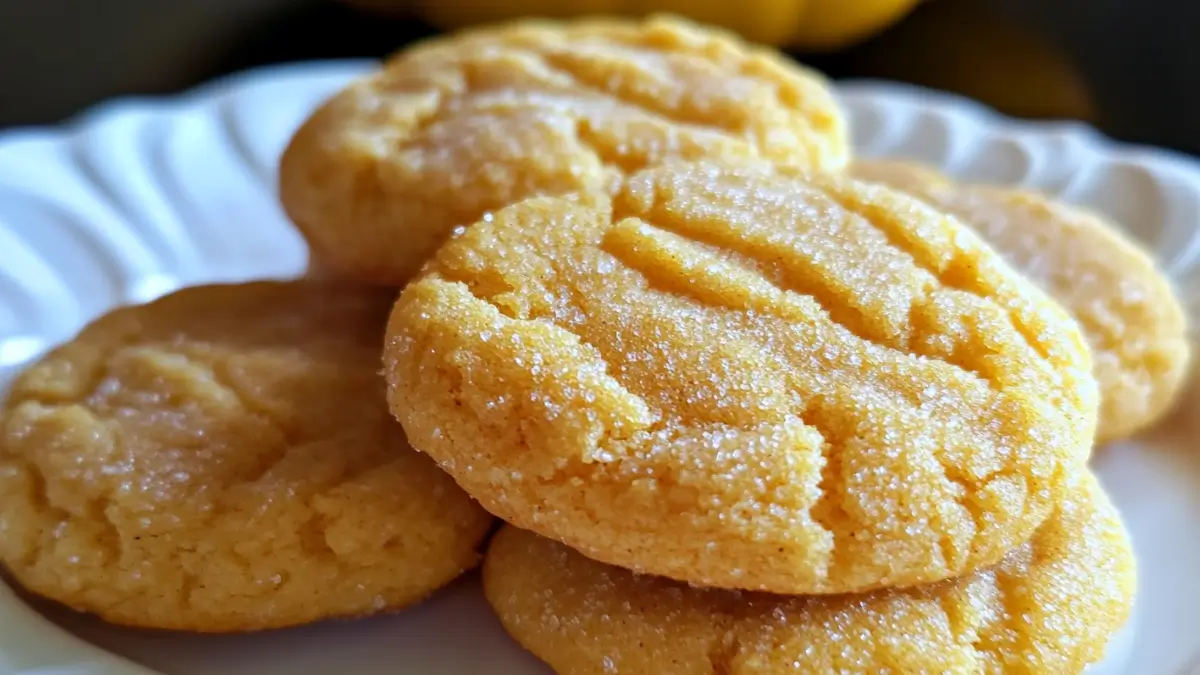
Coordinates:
(1129,314)
(459,126)
(741,377)
(1051,606)
(222,459)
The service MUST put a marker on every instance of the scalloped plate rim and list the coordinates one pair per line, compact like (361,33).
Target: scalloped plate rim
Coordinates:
(984,115)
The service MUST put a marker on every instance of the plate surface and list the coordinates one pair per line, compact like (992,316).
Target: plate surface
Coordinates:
(138,198)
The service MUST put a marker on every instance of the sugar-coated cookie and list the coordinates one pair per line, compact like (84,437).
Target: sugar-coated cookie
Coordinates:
(741,377)
(1051,606)
(222,459)
(458,126)
(1126,308)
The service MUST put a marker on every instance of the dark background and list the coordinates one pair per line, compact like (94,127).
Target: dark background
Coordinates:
(1129,66)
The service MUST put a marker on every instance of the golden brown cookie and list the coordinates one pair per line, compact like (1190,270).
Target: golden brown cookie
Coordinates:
(741,377)
(1126,308)
(459,126)
(1051,606)
(222,459)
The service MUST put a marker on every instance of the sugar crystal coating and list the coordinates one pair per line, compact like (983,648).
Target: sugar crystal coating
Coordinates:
(1050,606)
(222,459)
(1129,314)
(461,125)
(741,377)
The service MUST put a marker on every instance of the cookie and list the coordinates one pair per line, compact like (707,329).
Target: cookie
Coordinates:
(222,459)
(741,377)
(463,125)
(1127,310)
(1051,606)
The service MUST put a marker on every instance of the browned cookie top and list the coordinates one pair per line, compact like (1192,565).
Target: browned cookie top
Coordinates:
(222,459)
(741,377)
(1129,314)
(469,123)
(1051,606)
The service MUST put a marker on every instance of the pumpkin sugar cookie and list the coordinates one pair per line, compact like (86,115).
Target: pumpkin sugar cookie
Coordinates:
(741,377)
(1127,310)
(222,459)
(1051,606)
(459,126)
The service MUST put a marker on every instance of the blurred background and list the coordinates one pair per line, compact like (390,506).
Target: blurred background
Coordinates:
(1127,66)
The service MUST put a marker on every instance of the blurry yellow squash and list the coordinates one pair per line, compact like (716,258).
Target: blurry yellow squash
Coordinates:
(968,47)
(806,24)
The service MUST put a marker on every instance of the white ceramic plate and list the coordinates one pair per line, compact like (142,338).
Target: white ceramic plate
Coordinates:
(140,197)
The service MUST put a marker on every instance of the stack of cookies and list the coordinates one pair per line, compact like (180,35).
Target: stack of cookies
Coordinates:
(745,404)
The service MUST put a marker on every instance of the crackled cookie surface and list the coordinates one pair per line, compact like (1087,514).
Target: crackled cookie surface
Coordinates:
(1050,606)
(222,459)
(1126,308)
(462,125)
(739,377)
